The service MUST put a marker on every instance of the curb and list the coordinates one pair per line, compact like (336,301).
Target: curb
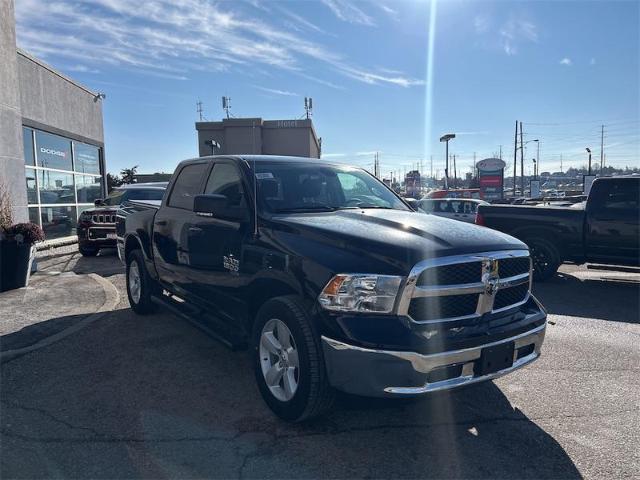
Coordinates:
(112,298)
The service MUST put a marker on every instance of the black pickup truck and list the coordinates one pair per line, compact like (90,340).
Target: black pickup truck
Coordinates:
(604,230)
(331,280)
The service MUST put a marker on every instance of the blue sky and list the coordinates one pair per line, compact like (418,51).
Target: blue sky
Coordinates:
(562,68)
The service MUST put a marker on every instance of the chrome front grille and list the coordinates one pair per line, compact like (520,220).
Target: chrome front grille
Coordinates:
(466,286)
(104,218)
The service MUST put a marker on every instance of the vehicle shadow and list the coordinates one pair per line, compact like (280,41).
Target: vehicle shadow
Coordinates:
(134,397)
(614,299)
(106,263)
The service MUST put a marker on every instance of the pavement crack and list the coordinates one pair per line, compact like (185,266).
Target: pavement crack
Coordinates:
(51,416)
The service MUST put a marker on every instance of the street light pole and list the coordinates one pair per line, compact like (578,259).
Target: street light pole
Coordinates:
(589,152)
(535,171)
(446,138)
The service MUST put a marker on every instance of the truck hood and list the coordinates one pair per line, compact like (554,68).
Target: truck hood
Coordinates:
(393,240)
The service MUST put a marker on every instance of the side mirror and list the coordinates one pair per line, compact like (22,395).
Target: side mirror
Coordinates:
(217,206)
(413,203)
(99,202)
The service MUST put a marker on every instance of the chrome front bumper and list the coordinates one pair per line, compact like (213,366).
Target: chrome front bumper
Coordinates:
(384,373)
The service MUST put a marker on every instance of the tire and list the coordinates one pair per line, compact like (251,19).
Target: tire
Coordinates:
(140,287)
(313,395)
(545,258)
(88,250)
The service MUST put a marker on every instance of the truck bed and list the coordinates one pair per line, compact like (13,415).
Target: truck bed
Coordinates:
(562,225)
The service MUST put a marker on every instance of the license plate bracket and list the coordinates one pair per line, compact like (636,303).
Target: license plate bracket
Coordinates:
(495,358)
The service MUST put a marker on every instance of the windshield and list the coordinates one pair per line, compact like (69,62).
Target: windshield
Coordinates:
(117,196)
(294,187)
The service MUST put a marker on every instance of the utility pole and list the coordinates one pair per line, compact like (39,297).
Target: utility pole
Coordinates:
(601,149)
(515,159)
(538,157)
(455,172)
(500,152)
(521,160)
(561,171)
(432,167)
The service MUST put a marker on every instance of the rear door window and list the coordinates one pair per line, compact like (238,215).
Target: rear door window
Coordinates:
(622,196)
(187,185)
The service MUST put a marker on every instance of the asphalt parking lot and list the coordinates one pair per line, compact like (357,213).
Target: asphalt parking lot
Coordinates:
(142,397)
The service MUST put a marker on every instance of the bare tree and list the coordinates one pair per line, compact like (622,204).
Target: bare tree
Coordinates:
(6,207)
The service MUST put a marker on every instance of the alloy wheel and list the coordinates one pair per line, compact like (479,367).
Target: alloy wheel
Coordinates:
(135,286)
(279,360)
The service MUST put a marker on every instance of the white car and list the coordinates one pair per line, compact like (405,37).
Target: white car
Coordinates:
(463,209)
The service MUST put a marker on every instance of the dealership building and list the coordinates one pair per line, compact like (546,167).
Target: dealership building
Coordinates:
(238,136)
(51,138)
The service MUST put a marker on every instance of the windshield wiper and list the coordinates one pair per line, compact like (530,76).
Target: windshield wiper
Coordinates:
(309,208)
(378,206)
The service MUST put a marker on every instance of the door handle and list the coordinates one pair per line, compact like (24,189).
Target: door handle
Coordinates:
(195,229)
(162,223)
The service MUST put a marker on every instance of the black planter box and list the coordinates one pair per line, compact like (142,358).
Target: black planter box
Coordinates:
(15,264)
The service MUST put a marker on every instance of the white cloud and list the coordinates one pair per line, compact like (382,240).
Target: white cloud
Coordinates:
(299,22)
(592,61)
(388,9)
(275,91)
(348,12)
(171,38)
(481,23)
(516,31)
(333,155)
(566,61)
(81,69)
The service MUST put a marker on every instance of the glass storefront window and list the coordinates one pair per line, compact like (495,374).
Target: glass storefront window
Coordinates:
(53,151)
(56,197)
(58,222)
(87,158)
(56,187)
(88,188)
(34,216)
(32,194)
(27,140)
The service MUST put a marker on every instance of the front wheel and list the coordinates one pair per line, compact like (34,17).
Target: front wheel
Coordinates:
(139,284)
(545,258)
(88,250)
(288,360)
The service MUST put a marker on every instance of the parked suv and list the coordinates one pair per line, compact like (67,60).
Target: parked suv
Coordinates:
(462,209)
(331,280)
(97,226)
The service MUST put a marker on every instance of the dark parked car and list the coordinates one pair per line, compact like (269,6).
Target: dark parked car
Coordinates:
(97,226)
(606,230)
(331,280)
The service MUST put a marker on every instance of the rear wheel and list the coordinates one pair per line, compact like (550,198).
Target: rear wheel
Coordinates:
(545,258)
(288,360)
(140,286)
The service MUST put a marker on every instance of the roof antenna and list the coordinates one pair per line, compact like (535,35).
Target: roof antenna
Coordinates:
(226,105)
(308,107)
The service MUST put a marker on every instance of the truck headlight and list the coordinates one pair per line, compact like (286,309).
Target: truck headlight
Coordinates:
(360,293)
